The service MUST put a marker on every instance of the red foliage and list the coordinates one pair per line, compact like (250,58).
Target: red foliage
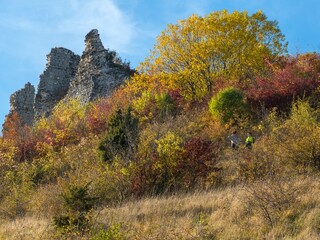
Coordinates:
(20,135)
(45,135)
(98,114)
(176,96)
(191,170)
(198,161)
(295,77)
(144,179)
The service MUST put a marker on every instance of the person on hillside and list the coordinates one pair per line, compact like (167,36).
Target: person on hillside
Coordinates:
(249,140)
(234,140)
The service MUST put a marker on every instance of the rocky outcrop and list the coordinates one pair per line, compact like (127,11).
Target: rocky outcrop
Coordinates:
(21,102)
(99,72)
(54,83)
(96,74)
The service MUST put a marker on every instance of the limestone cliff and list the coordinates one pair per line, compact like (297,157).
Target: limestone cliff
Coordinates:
(22,102)
(96,74)
(99,73)
(54,83)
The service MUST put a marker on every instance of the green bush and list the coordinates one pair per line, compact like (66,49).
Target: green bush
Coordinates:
(121,136)
(299,137)
(156,106)
(228,104)
(112,233)
(166,105)
(78,203)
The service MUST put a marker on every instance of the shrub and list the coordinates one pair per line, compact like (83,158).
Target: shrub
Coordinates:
(169,151)
(292,144)
(199,159)
(144,105)
(302,138)
(78,203)
(98,114)
(228,104)
(65,126)
(166,105)
(18,191)
(274,198)
(157,161)
(20,136)
(121,136)
(156,106)
(112,233)
(294,77)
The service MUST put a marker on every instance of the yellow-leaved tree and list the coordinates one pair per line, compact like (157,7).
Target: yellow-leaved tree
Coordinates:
(197,52)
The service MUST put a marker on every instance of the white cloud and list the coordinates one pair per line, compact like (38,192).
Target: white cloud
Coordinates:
(115,27)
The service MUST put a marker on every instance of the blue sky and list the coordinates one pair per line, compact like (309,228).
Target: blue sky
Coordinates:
(29,29)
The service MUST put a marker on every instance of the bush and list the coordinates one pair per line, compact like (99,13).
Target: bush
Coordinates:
(166,105)
(169,153)
(302,136)
(199,158)
(121,137)
(292,144)
(274,198)
(156,106)
(78,203)
(294,77)
(157,161)
(98,114)
(17,193)
(112,233)
(228,104)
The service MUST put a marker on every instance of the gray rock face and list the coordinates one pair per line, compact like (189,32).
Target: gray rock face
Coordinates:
(21,102)
(54,82)
(99,72)
(96,74)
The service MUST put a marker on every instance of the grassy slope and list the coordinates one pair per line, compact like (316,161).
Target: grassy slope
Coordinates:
(232,213)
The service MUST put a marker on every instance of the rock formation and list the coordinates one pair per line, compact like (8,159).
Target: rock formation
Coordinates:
(99,73)
(96,74)
(54,83)
(22,102)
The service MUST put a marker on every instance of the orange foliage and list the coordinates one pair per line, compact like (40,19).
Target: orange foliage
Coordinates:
(98,114)
(20,136)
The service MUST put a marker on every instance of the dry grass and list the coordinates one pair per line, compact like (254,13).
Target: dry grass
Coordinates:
(26,228)
(232,213)
(196,216)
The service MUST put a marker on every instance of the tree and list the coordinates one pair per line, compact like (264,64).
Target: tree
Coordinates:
(195,52)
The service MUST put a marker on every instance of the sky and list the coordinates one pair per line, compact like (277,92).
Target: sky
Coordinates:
(29,29)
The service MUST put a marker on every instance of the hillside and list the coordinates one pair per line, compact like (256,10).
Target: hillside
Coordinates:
(153,157)
(259,211)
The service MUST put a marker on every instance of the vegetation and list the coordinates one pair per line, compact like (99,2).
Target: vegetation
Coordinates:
(228,104)
(153,161)
(196,53)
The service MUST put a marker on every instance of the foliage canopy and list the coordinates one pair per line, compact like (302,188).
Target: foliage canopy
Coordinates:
(196,52)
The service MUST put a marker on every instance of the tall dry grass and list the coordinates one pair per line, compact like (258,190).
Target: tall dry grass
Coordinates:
(26,228)
(233,213)
(230,213)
